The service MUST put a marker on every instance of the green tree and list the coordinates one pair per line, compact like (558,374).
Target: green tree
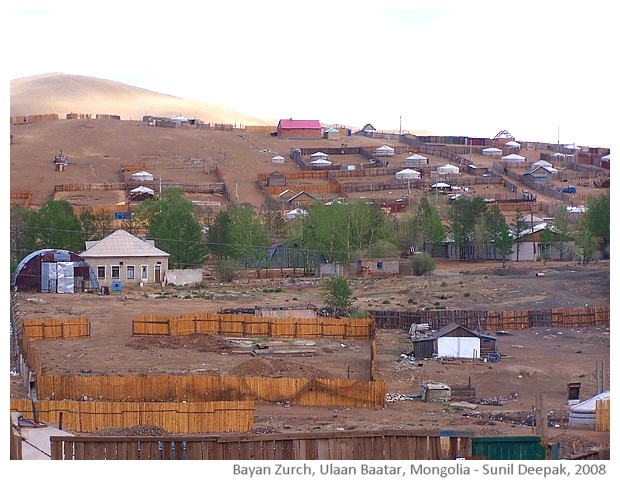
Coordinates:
(20,222)
(499,232)
(55,225)
(219,237)
(95,226)
(338,295)
(466,215)
(422,263)
(172,224)
(519,226)
(596,220)
(433,230)
(561,232)
(248,237)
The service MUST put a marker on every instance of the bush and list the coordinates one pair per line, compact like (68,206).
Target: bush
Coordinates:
(422,263)
(225,271)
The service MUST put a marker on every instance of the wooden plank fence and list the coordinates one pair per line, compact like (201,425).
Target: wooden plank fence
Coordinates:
(173,417)
(367,445)
(603,416)
(56,328)
(254,326)
(485,320)
(200,388)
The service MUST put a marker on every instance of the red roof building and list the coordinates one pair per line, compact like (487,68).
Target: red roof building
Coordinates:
(289,128)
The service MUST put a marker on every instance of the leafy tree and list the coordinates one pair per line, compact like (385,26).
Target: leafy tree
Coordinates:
(422,263)
(587,246)
(433,230)
(596,220)
(219,237)
(519,225)
(338,295)
(20,222)
(248,236)
(465,214)
(560,232)
(95,226)
(499,232)
(55,225)
(175,229)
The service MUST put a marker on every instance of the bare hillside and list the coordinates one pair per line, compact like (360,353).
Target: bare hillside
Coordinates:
(61,93)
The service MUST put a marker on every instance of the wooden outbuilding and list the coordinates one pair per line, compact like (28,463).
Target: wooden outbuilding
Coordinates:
(455,341)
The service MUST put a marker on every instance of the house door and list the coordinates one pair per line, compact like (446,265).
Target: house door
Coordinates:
(157,273)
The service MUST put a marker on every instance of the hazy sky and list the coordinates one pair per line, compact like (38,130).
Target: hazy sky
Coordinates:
(537,69)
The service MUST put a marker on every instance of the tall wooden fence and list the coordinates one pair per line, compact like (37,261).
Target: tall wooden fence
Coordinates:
(173,417)
(200,388)
(373,445)
(56,328)
(603,416)
(254,326)
(493,320)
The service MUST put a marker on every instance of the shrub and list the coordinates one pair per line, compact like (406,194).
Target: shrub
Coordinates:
(422,263)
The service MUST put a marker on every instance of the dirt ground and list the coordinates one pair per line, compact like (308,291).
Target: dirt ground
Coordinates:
(541,360)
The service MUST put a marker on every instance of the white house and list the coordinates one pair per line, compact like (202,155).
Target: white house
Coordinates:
(122,258)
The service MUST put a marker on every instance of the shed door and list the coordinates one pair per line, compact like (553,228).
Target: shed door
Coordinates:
(458,347)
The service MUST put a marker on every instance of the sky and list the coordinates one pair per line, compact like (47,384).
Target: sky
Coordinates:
(539,70)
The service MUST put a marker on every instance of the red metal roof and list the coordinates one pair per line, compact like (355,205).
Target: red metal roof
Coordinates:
(305,124)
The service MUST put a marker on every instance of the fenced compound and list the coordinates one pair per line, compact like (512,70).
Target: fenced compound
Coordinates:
(21,197)
(374,445)
(494,320)
(254,326)
(199,388)
(173,417)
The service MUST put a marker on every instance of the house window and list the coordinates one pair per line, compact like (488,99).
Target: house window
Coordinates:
(379,265)
(131,272)
(144,272)
(101,271)
(116,271)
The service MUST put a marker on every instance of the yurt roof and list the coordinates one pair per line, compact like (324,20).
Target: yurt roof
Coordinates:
(440,185)
(589,405)
(142,174)
(142,189)
(406,172)
(278,157)
(491,149)
(512,143)
(513,156)
(318,154)
(320,161)
(385,148)
(606,157)
(416,156)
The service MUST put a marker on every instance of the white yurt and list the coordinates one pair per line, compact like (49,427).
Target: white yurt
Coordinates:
(384,151)
(277,159)
(320,162)
(605,158)
(542,163)
(448,169)
(513,157)
(407,174)
(559,156)
(142,189)
(513,144)
(140,176)
(492,152)
(415,159)
(584,414)
(180,119)
(319,156)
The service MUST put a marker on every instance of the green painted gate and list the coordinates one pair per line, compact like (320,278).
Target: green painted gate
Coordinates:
(508,448)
